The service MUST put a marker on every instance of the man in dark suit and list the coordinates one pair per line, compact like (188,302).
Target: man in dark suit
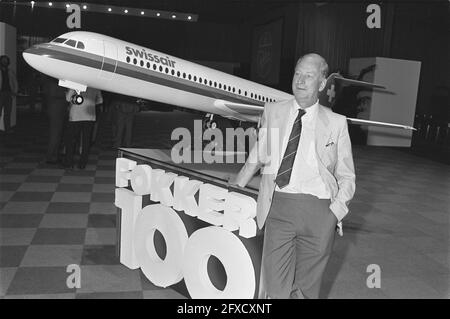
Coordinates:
(8,89)
(308,178)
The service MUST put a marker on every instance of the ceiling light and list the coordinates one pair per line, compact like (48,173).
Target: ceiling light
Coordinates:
(158,14)
(189,18)
(142,12)
(50,4)
(109,9)
(85,7)
(67,5)
(173,16)
(126,11)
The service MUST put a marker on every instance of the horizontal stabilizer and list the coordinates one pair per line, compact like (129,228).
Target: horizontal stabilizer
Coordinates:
(359,83)
(375,123)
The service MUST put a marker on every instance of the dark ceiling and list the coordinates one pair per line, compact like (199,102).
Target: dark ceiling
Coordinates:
(219,11)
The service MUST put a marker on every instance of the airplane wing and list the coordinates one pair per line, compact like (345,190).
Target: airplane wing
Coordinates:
(239,111)
(376,123)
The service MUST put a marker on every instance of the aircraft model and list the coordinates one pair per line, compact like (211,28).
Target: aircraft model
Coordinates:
(82,59)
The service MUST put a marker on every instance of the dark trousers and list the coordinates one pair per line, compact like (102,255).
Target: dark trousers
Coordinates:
(6,107)
(56,111)
(124,129)
(298,241)
(73,131)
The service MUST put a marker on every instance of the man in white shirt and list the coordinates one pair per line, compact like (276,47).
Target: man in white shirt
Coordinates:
(308,178)
(81,121)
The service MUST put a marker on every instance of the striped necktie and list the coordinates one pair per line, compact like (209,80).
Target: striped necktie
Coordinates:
(285,170)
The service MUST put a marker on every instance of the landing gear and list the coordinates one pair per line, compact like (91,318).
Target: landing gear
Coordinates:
(208,122)
(77,99)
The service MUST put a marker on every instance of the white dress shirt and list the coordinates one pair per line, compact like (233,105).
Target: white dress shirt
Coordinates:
(305,177)
(86,110)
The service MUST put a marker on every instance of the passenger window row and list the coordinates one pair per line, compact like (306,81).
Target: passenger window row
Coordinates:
(199,79)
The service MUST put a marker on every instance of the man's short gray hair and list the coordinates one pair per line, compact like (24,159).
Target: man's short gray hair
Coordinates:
(322,61)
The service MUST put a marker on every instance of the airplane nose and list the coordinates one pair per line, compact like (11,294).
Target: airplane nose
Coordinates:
(35,56)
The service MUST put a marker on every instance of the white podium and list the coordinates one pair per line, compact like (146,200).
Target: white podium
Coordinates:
(396,104)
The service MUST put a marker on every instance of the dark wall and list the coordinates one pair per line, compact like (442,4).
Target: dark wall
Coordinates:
(188,40)
(416,31)
(288,13)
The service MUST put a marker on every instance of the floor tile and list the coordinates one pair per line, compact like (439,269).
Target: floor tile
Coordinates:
(78,197)
(31,197)
(103,208)
(103,197)
(6,196)
(37,187)
(111,295)
(20,221)
(408,288)
(12,178)
(39,280)
(43,296)
(163,294)
(16,236)
(100,255)
(4,186)
(43,179)
(11,256)
(100,236)
(68,208)
(6,276)
(109,279)
(52,255)
(24,208)
(48,172)
(74,188)
(59,236)
(102,221)
(77,179)
(104,188)
(64,221)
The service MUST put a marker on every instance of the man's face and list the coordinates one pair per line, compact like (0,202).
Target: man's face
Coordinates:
(307,81)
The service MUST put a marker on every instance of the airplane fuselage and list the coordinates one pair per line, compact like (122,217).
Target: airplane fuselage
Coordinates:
(86,59)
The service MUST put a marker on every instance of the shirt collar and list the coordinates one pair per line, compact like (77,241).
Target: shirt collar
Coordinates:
(309,110)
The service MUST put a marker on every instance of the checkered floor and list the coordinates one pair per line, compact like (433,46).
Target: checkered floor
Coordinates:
(51,218)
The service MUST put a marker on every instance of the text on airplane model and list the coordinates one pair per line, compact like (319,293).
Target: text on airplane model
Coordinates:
(150,57)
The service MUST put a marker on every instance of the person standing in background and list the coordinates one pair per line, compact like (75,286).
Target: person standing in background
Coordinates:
(8,89)
(125,108)
(56,105)
(81,121)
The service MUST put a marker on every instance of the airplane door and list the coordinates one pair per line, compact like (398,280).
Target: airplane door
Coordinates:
(109,64)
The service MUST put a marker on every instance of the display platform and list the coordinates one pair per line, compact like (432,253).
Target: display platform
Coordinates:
(185,227)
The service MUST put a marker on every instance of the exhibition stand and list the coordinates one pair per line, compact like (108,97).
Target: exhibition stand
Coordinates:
(185,227)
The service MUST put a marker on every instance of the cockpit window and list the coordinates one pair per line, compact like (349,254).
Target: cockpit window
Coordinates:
(80,45)
(59,40)
(71,42)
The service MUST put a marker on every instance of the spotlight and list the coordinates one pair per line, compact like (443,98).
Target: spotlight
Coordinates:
(126,11)
(173,16)
(50,4)
(109,9)
(189,18)
(142,12)
(158,14)
(85,7)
